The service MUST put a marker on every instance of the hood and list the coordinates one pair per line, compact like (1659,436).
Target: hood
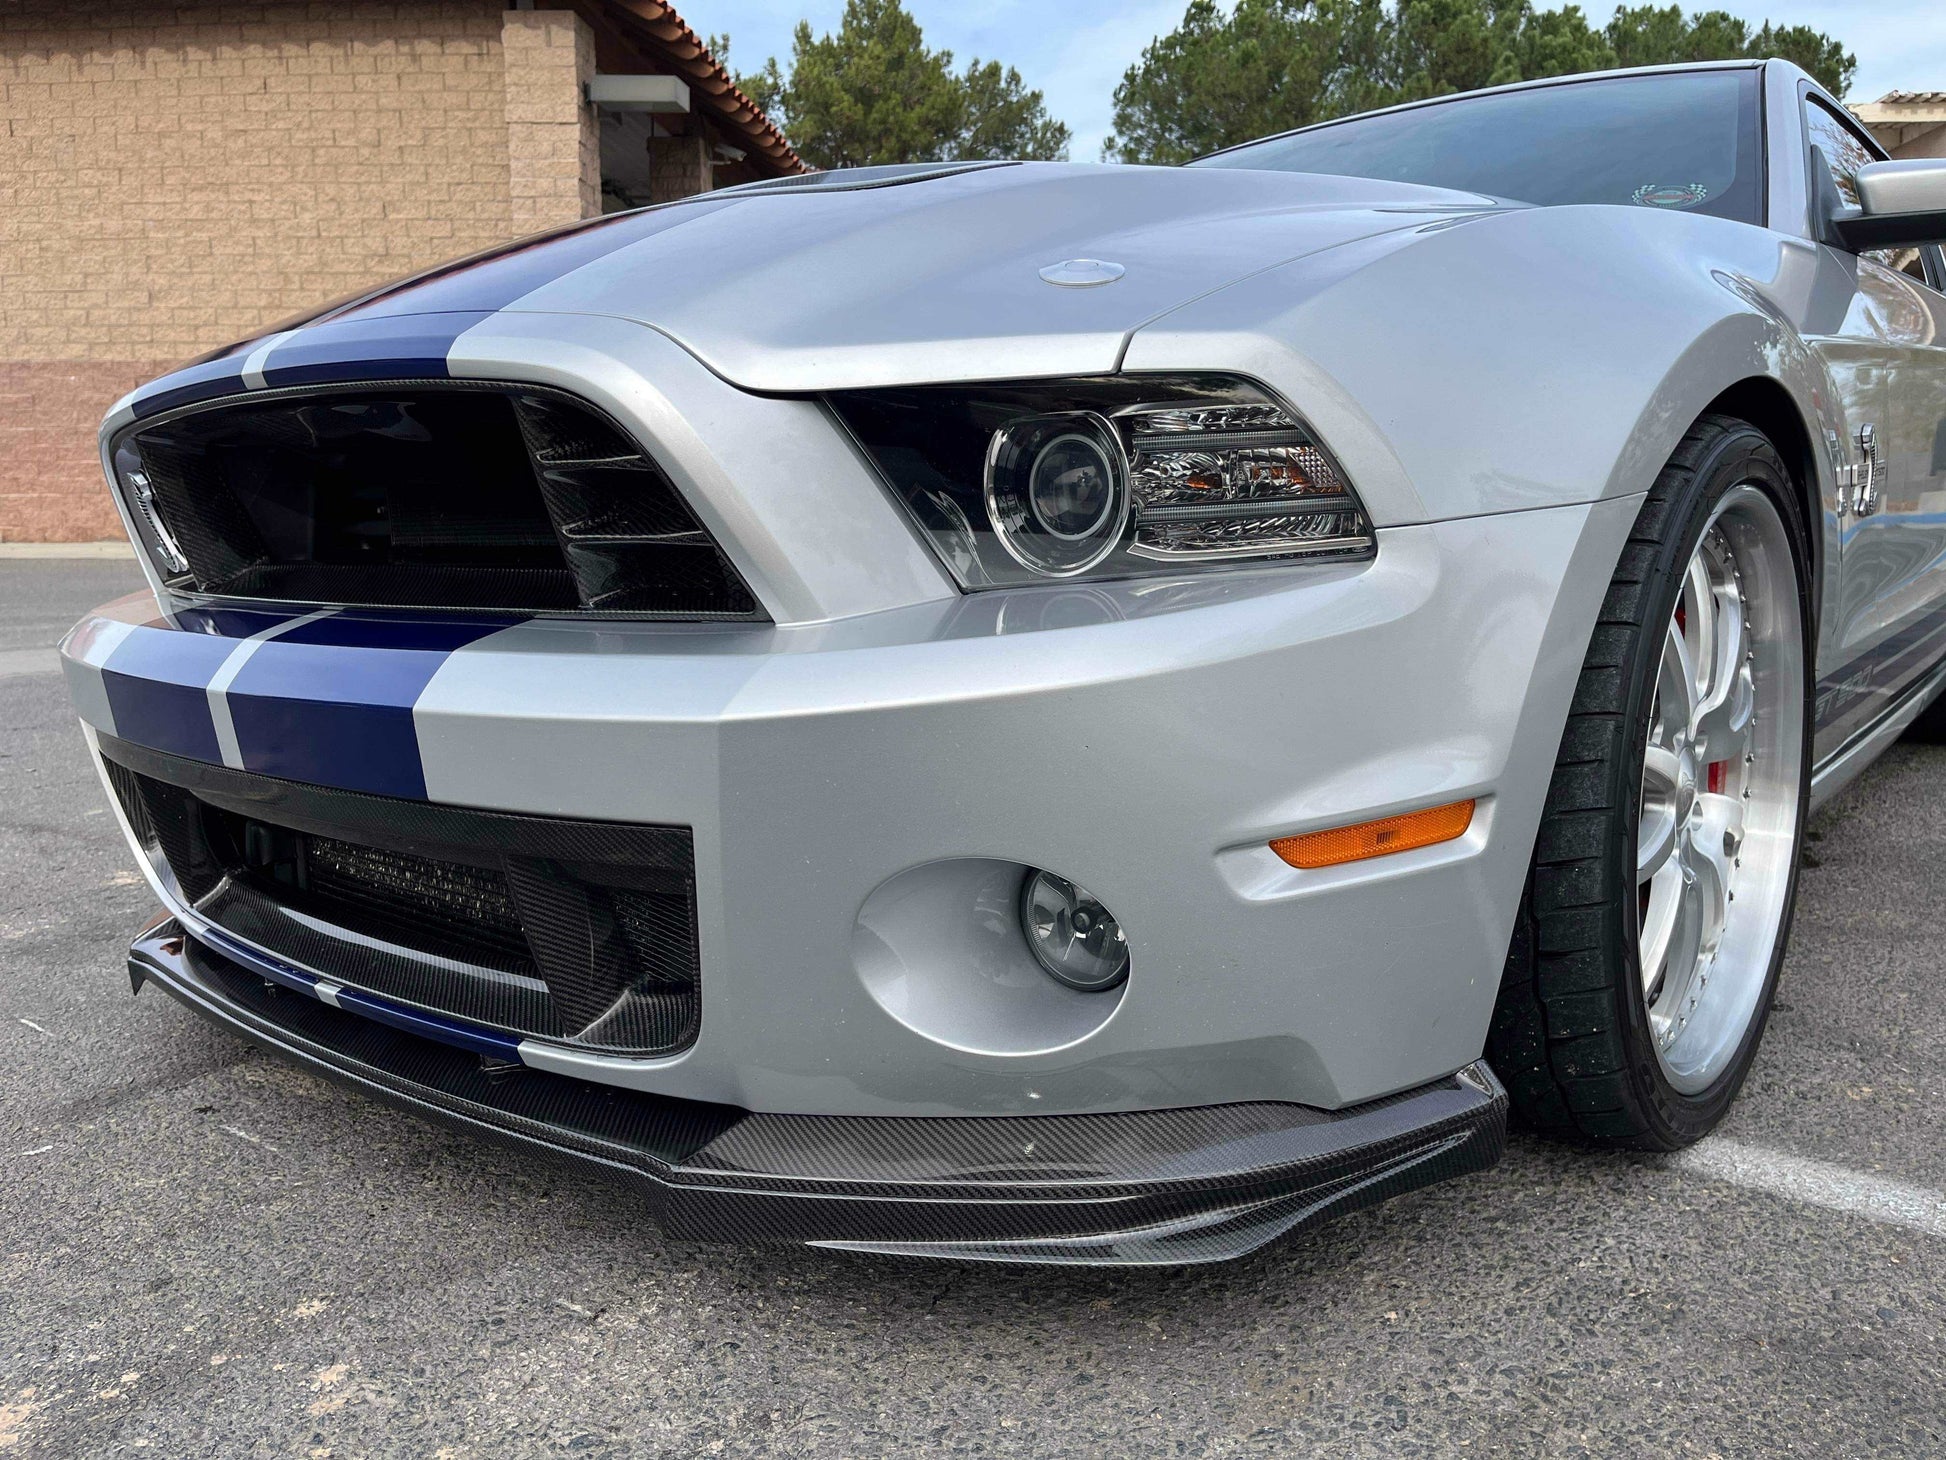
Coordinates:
(928,276)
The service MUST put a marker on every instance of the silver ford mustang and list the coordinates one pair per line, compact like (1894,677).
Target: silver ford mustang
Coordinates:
(1055,713)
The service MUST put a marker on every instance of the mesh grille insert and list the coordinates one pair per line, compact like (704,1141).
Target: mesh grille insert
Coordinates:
(429,495)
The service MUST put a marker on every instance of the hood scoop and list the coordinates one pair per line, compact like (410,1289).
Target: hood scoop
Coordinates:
(858,179)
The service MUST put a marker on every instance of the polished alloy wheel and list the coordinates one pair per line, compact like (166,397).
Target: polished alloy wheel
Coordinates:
(1716,831)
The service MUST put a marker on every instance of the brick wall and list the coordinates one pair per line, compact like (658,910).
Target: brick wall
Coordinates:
(177,176)
(50,475)
(553,145)
(679,167)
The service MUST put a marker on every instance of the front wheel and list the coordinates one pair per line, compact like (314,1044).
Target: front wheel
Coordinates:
(1659,902)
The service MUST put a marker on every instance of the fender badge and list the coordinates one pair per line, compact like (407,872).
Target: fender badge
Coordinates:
(1082,273)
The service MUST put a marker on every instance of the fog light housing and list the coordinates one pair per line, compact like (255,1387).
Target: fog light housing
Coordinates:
(1072,935)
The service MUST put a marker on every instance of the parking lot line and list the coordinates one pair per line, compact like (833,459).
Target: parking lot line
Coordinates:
(1816,1183)
(28,661)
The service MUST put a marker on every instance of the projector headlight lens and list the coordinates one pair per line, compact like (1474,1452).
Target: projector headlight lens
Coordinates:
(1057,491)
(1076,939)
(1108,477)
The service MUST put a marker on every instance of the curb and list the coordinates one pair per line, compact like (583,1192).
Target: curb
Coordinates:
(116,549)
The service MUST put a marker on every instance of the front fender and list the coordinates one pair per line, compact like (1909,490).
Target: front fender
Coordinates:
(1507,361)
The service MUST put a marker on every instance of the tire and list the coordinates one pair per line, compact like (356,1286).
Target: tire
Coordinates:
(1586,1051)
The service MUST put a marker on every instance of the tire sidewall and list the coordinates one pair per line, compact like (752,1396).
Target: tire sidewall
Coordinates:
(1741,456)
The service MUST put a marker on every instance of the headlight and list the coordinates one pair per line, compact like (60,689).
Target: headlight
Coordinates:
(1110,477)
(1057,491)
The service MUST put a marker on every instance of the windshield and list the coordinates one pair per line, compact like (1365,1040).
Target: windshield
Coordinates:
(1681,139)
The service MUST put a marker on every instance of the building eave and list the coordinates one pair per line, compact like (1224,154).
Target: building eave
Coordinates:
(655,29)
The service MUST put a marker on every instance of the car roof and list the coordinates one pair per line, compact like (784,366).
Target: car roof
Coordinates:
(1536,84)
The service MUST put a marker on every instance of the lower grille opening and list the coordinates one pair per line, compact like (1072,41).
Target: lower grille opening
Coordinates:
(578,932)
(443,908)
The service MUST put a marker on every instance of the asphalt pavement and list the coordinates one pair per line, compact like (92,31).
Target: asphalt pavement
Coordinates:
(204,1252)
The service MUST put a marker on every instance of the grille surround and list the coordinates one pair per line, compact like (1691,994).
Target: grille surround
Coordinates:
(579,933)
(591,525)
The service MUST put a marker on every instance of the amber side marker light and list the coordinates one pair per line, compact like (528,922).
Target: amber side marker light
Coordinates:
(1376,838)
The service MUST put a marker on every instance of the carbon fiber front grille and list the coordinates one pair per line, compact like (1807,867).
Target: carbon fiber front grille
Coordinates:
(426,494)
(579,932)
(444,908)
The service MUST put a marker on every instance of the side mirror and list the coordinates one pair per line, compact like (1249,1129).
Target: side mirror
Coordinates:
(1900,204)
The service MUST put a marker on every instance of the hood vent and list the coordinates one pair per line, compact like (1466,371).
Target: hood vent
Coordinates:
(856,179)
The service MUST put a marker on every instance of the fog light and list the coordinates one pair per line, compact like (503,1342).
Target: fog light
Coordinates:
(1076,939)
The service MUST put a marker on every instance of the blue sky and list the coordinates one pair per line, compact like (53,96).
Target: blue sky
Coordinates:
(1076,50)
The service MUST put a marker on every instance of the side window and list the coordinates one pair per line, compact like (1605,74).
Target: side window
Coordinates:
(1845,152)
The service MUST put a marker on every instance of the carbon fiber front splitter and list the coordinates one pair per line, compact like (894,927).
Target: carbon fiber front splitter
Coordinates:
(1142,1187)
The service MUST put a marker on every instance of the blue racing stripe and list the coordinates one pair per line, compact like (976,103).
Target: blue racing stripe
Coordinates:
(331,702)
(431,1026)
(405,330)
(367,630)
(494,280)
(157,683)
(259,962)
(229,623)
(389,347)
(328,702)
(474,1037)
(203,381)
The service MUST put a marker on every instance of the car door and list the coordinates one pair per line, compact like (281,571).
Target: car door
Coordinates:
(1888,361)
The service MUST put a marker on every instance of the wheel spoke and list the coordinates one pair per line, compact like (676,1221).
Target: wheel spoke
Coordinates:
(1715,838)
(1660,771)
(1699,629)
(1656,830)
(1723,726)
(1659,922)
(1685,949)
(1729,702)
(1676,681)
(1655,838)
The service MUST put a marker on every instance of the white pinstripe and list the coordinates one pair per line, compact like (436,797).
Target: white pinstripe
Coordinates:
(253,363)
(226,673)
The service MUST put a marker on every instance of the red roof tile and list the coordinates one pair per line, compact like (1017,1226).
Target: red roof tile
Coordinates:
(665,35)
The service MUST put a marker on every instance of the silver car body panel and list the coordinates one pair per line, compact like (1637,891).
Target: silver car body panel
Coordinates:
(1501,385)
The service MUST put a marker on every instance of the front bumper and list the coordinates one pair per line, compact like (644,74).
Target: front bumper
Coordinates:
(849,784)
(1140,1188)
